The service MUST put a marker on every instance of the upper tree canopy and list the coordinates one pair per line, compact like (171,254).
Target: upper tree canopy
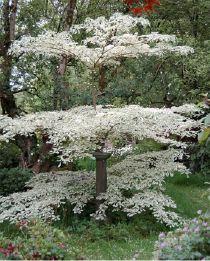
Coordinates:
(107,41)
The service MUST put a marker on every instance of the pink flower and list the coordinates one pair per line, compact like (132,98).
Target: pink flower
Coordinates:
(61,245)
(22,224)
(11,248)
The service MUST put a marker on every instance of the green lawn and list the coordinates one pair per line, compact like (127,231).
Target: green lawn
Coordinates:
(101,249)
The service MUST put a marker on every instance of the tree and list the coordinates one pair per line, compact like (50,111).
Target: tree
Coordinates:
(60,89)
(137,8)
(85,130)
(8,23)
(110,41)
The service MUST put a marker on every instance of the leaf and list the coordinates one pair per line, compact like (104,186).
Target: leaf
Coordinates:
(207,120)
(203,136)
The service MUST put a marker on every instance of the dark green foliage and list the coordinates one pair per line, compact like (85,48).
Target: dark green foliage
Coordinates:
(9,155)
(13,180)
(147,145)
(85,164)
(200,156)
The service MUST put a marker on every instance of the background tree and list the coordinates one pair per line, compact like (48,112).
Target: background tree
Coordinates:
(8,24)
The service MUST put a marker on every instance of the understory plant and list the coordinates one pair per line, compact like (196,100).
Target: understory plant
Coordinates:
(13,180)
(36,241)
(191,242)
(204,141)
(135,185)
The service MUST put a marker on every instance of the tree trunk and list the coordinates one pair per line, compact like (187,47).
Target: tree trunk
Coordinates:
(60,87)
(31,157)
(8,104)
(102,79)
(42,163)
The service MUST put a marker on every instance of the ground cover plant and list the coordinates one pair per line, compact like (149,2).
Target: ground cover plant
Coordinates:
(189,242)
(37,240)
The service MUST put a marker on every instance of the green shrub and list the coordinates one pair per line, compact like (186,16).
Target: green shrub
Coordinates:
(192,242)
(9,155)
(147,145)
(85,164)
(200,158)
(13,180)
(37,241)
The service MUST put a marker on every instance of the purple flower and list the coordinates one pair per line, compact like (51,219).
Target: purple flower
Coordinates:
(205,224)
(162,245)
(197,229)
(162,235)
(195,221)
(186,229)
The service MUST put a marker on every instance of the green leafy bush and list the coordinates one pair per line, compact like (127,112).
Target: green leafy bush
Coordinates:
(13,180)
(37,241)
(9,155)
(200,159)
(192,242)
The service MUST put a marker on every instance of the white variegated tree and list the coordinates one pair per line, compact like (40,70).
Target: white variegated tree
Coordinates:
(106,43)
(82,130)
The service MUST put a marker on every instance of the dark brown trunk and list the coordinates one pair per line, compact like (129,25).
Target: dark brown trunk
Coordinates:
(102,79)
(7,99)
(37,160)
(70,14)
(43,163)
(26,145)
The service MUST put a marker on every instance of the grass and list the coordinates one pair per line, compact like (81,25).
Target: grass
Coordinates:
(188,193)
(140,248)
(91,240)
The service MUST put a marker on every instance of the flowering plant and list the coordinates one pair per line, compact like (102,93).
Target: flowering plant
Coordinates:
(37,241)
(191,242)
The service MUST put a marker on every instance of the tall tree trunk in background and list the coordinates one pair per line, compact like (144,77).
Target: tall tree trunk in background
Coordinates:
(102,79)
(9,11)
(60,87)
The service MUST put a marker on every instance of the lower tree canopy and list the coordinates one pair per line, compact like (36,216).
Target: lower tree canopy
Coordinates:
(82,130)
